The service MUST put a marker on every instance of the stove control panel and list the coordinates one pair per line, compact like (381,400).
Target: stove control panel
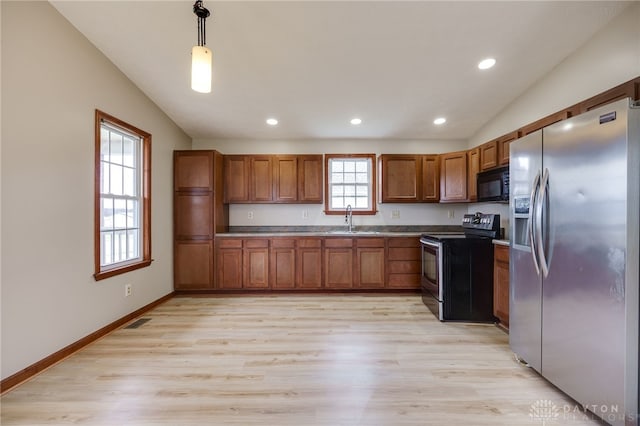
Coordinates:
(480,221)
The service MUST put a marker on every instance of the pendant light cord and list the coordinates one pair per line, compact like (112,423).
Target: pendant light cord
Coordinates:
(202,13)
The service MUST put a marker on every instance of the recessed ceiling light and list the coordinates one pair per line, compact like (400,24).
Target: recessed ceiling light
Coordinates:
(485,64)
(272,121)
(439,121)
(356,121)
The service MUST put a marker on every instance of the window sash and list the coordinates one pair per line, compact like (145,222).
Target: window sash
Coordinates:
(350,182)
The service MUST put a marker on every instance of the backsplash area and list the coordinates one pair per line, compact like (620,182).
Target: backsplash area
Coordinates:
(313,215)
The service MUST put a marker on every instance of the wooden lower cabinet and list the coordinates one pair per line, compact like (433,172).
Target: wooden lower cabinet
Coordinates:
(370,263)
(309,263)
(501,284)
(282,263)
(193,265)
(403,263)
(338,263)
(255,262)
(229,264)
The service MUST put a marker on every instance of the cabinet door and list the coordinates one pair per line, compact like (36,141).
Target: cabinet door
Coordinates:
(629,89)
(489,155)
(193,265)
(453,176)
(255,257)
(193,216)
(430,178)
(261,189)
(236,178)
(310,178)
(503,147)
(309,268)
(193,170)
(229,263)
(473,165)
(544,122)
(370,267)
(282,268)
(338,268)
(401,178)
(285,179)
(501,284)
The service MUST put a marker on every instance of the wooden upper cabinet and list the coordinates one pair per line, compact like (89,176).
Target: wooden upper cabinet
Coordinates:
(310,178)
(285,178)
(236,178)
(409,178)
(473,167)
(261,178)
(630,89)
(488,155)
(453,176)
(544,122)
(430,178)
(193,170)
(273,179)
(401,177)
(503,147)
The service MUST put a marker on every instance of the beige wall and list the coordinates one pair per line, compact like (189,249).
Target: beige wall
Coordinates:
(52,81)
(610,58)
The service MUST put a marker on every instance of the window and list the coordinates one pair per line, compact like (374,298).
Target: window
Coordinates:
(122,234)
(350,182)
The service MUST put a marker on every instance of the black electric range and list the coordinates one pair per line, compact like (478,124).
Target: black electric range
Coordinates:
(457,270)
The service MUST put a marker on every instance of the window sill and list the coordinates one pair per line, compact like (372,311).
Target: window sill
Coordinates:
(117,271)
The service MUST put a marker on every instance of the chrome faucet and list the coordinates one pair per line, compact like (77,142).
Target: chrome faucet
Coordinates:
(348,217)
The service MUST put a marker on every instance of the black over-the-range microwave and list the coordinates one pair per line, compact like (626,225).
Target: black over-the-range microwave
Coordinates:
(493,185)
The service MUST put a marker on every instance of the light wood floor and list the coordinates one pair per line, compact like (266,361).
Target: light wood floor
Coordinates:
(291,360)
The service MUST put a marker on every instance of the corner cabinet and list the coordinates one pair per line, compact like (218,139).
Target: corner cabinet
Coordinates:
(453,177)
(409,178)
(198,212)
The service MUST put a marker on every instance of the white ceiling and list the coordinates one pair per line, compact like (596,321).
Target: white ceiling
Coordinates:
(316,64)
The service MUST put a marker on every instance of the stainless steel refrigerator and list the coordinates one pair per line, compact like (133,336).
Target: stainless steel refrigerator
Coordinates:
(574,254)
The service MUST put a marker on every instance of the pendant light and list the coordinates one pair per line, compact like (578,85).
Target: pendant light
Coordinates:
(201,56)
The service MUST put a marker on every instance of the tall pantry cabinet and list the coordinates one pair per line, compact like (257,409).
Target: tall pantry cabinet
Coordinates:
(199,212)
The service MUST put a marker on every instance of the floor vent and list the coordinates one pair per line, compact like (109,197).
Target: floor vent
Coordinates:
(138,323)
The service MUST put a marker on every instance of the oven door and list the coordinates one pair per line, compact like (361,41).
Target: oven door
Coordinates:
(431,279)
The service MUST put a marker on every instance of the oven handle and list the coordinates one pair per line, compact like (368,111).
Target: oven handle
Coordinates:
(532,238)
(430,244)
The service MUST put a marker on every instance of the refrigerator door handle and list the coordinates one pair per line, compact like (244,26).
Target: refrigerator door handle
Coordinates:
(532,239)
(540,204)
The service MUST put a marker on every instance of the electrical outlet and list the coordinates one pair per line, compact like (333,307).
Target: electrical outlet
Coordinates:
(127,290)
(450,214)
(305,214)
(395,214)
(250,215)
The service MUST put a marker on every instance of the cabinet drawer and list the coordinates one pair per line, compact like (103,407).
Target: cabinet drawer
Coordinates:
(283,243)
(404,281)
(404,267)
(310,243)
(404,242)
(404,253)
(370,242)
(256,243)
(501,253)
(338,242)
(228,243)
